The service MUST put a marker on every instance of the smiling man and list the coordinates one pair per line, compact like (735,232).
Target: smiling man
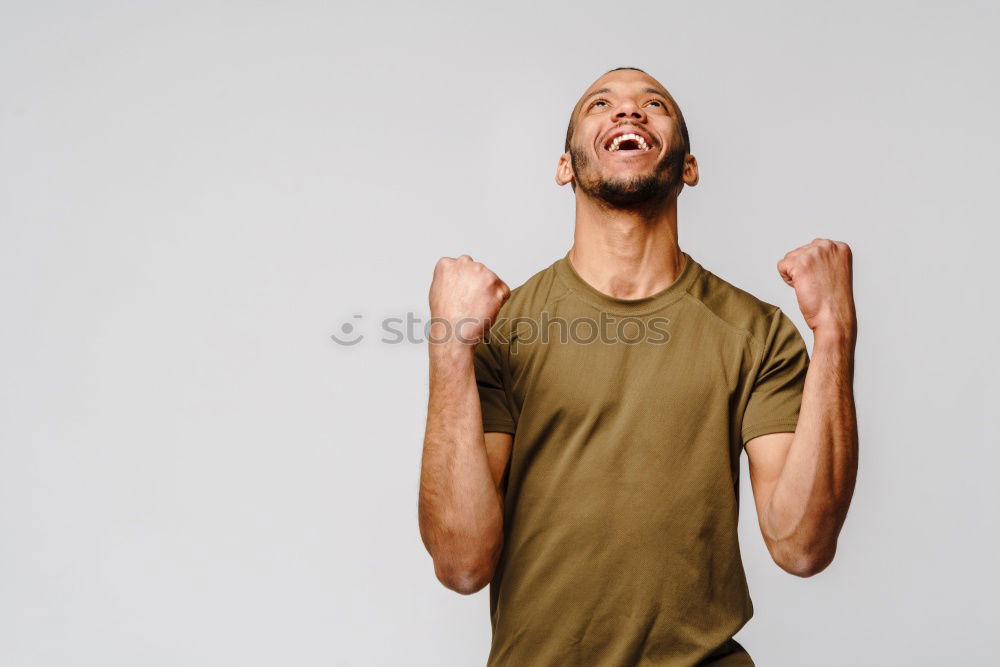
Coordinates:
(584,430)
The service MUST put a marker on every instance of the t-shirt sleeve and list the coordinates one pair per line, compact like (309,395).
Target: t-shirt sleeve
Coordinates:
(777,390)
(489,360)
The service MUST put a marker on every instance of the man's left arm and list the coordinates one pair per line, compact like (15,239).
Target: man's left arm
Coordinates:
(803,482)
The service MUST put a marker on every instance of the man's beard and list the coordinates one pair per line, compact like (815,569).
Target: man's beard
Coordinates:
(632,191)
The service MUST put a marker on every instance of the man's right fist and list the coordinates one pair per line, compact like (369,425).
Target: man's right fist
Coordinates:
(465,297)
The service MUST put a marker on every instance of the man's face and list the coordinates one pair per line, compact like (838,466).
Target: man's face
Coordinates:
(645,165)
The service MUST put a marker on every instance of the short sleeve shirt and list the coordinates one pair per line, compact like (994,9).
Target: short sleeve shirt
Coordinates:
(622,494)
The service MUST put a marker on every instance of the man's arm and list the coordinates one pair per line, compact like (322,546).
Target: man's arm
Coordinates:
(460,506)
(803,482)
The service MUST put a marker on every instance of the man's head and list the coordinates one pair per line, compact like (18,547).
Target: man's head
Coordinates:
(649,166)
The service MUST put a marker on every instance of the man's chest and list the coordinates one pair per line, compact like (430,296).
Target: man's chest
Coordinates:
(664,371)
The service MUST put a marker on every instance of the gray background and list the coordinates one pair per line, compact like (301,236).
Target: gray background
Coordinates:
(196,195)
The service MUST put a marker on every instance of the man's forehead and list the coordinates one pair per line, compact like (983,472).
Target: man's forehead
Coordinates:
(624,81)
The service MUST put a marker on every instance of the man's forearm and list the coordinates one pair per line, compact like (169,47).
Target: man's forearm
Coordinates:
(810,500)
(461,513)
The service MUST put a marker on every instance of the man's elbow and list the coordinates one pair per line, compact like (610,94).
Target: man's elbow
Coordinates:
(464,579)
(804,563)
(468,570)
(465,560)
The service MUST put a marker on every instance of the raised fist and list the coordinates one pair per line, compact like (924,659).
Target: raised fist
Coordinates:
(821,274)
(465,297)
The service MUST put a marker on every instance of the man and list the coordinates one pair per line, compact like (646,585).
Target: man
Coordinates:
(591,476)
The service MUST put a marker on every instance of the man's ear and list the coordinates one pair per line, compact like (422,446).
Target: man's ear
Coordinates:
(564,170)
(690,175)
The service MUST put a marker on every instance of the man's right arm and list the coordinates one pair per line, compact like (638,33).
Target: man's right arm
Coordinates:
(462,470)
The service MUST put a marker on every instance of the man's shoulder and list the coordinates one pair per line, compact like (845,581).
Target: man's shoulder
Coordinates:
(533,295)
(733,305)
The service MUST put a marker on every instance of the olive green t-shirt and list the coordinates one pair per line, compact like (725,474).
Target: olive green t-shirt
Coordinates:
(622,493)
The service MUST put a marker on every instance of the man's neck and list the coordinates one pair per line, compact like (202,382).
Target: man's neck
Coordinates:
(626,254)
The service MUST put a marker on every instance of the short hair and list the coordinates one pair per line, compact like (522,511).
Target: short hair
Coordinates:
(680,117)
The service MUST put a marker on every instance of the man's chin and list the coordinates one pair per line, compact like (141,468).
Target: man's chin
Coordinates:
(624,189)
(622,193)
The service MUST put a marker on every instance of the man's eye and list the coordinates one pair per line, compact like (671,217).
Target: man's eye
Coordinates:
(657,102)
(596,102)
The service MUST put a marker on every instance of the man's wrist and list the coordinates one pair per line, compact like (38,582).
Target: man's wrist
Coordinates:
(836,326)
(846,334)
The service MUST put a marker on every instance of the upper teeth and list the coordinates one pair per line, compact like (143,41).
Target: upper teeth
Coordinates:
(622,137)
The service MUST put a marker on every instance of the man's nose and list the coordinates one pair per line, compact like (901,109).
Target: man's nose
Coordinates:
(630,109)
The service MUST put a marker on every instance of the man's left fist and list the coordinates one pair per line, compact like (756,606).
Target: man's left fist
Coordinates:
(821,274)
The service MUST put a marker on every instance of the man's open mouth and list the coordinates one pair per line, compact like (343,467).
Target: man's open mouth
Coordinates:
(627,142)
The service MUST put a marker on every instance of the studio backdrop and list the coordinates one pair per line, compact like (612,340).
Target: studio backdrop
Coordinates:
(218,226)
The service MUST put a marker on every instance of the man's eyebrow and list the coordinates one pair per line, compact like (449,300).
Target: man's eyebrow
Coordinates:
(599,91)
(656,91)
(650,89)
